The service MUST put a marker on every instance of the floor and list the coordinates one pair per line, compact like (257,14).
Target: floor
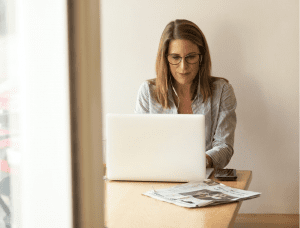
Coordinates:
(266,221)
(244,220)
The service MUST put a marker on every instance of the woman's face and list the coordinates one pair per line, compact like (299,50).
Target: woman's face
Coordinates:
(184,73)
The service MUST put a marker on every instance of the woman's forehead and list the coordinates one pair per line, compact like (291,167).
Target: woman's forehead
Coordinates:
(182,47)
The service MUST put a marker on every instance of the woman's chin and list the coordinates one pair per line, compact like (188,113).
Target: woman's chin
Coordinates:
(184,80)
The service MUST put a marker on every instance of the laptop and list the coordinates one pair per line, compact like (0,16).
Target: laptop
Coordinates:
(155,147)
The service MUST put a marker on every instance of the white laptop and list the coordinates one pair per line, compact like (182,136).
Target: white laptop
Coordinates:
(155,147)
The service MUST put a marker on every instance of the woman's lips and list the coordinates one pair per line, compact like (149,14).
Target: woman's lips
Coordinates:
(183,74)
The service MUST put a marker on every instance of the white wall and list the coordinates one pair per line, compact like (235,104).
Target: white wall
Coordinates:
(255,45)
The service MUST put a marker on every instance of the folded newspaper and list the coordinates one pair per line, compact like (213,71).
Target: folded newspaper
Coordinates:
(200,194)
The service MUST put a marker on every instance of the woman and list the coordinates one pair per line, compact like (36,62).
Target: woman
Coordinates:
(184,85)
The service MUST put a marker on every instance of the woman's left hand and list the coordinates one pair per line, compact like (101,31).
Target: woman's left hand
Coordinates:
(209,163)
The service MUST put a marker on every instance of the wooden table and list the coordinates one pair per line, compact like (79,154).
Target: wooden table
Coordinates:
(125,206)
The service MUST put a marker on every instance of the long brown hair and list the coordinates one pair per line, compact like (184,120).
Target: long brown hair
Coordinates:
(187,30)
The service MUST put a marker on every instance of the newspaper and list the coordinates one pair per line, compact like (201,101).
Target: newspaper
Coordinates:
(201,194)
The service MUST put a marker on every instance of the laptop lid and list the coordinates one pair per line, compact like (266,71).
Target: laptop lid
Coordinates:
(155,147)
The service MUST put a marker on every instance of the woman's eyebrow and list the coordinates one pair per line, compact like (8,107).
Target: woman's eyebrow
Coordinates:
(185,55)
(192,53)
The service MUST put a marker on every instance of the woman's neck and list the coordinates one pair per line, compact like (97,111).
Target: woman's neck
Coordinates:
(185,91)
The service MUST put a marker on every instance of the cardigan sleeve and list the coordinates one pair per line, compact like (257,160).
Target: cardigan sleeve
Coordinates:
(142,102)
(223,139)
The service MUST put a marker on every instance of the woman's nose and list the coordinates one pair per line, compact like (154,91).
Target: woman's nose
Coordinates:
(183,64)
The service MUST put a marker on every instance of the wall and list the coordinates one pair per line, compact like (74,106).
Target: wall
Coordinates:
(255,45)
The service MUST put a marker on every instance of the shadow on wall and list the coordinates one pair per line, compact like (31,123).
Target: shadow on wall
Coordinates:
(265,137)
(253,117)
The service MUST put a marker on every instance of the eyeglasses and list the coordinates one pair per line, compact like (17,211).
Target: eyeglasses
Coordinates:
(191,59)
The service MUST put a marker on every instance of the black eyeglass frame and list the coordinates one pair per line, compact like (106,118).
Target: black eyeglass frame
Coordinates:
(185,59)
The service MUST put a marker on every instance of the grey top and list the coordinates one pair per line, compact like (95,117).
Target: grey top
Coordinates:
(219,111)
